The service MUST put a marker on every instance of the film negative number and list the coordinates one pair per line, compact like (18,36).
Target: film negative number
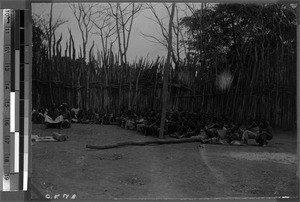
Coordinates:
(6,109)
(6,159)
(6,139)
(7,30)
(6,105)
(6,176)
(6,49)
(7,16)
(6,122)
(7,67)
(7,86)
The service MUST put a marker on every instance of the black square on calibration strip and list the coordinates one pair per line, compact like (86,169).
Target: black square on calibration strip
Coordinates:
(22,18)
(21,145)
(22,36)
(22,53)
(22,89)
(21,164)
(22,122)
(22,110)
(22,72)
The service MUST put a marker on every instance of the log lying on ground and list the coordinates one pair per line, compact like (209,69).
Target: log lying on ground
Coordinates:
(153,142)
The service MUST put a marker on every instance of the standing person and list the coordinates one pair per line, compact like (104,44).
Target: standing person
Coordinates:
(251,132)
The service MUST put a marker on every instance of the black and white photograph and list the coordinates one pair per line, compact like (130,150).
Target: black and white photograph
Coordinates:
(164,101)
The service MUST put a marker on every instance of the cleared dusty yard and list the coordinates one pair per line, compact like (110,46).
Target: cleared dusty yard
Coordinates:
(68,169)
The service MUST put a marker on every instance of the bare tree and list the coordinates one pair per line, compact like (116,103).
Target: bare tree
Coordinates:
(83,14)
(124,15)
(106,29)
(49,25)
(178,48)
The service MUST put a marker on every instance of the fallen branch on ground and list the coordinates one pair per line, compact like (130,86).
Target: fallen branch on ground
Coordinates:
(153,142)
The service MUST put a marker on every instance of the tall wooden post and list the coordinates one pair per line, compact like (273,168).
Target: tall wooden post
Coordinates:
(298,89)
(166,76)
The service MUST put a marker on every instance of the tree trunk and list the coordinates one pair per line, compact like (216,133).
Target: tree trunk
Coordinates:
(166,76)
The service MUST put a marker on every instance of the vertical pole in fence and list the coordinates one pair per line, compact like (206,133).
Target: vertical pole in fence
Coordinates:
(298,88)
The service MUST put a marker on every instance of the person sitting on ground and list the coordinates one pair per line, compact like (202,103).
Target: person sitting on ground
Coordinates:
(66,115)
(37,116)
(98,117)
(81,115)
(211,128)
(155,126)
(148,128)
(142,127)
(173,124)
(251,132)
(112,118)
(192,128)
(234,134)
(130,122)
(105,119)
(90,117)
(264,133)
(53,117)
(74,113)
(211,131)
(122,120)
(139,122)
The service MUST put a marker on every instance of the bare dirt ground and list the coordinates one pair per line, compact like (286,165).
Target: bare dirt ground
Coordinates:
(179,171)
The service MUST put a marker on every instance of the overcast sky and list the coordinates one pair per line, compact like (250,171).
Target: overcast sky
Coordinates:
(139,46)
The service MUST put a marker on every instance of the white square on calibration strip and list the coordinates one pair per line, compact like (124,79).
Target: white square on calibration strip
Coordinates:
(17,153)
(12,112)
(25,172)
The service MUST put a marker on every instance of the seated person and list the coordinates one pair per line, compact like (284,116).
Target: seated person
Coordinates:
(74,112)
(192,128)
(37,116)
(81,115)
(112,118)
(234,133)
(75,109)
(130,123)
(148,128)
(173,124)
(211,129)
(66,115)
(53,117)
(90,117)
(105,119)
(140,123)
(264,133)
(251,132)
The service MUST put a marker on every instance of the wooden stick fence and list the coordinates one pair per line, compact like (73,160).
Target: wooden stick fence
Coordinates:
(264,84)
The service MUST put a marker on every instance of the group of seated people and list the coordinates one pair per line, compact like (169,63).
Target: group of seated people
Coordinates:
(58,116)
(73,115)
(177,124)
(54,116)
(91,117)
(209,128)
